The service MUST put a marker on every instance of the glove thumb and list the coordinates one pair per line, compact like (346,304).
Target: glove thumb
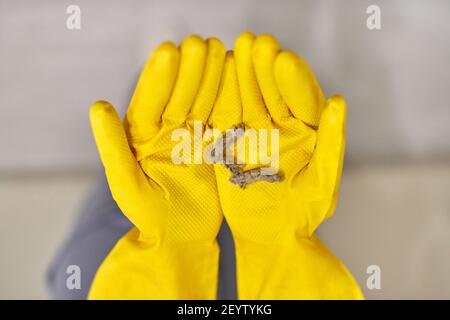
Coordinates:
(129,185)
(322,176)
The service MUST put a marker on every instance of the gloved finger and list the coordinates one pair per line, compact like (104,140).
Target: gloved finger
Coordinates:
(128,183)
(254,112)
(227,110)
(299,87)
(152,92)
(192,64)
(325,168)
(207,93)
(265,51)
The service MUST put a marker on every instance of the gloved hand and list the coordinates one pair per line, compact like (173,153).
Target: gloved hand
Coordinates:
(273,223)
(171,253)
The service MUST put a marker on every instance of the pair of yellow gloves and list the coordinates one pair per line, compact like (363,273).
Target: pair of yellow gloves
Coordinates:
(177,209)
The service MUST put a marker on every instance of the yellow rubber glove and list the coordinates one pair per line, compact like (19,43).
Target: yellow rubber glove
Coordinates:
(171,253)
(277,254)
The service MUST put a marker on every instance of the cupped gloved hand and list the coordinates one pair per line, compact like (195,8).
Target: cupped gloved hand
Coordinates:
(171,253)
(273,222)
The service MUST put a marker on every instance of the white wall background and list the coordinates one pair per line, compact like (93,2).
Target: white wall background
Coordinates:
(395,79)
